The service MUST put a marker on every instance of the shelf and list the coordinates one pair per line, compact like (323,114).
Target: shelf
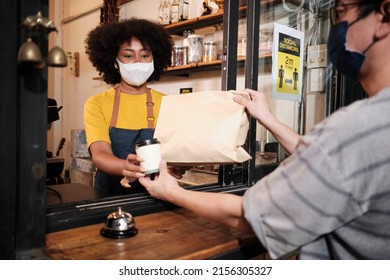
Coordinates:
(185,70)
(177,28)
(199,22)
(207,21)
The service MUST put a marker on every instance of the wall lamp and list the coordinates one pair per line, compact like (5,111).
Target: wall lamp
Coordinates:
(29,52)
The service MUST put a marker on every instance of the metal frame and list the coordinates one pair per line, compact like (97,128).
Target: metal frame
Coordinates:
(244,173)
(251,79)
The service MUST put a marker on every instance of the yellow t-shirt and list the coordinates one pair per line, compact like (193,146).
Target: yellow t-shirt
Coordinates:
(132,113)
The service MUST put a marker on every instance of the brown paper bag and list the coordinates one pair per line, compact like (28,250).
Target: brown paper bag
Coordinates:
(202,128)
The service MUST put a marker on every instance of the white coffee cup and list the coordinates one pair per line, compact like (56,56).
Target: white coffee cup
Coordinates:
(149,150)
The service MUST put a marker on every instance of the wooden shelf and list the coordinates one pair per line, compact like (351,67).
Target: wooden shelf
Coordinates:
(216,18)
(185,70)
(199,22)
(207,21)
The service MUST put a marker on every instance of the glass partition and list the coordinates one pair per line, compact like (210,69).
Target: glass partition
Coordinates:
(246,59)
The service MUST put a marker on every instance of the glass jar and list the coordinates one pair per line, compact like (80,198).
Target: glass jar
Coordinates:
(187,33)
(179,56)
(266,40)
(195,48)
(209,51)
(241,40)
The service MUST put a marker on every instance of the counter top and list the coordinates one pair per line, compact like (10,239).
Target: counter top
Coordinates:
(167,235)
(63,193)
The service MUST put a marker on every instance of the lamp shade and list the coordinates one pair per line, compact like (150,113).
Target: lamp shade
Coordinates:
(57,57)
(29,52)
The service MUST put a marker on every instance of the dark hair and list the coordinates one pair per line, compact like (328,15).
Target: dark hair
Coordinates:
(103,44)
(369,7)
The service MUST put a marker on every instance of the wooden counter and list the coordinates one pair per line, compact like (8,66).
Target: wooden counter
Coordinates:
(168,235)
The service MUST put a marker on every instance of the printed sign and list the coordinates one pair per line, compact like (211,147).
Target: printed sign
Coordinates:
(287,63)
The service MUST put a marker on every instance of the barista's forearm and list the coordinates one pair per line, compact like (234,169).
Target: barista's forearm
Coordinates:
(108,163)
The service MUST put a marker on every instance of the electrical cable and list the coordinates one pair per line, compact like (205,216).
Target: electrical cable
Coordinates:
(58,194)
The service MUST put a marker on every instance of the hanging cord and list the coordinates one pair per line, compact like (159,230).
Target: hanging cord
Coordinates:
(315,29)
(298,9)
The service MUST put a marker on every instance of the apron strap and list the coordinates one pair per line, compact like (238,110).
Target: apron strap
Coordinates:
(149,107)
(115,109)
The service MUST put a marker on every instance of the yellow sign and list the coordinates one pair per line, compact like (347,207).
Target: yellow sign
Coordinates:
(287,66)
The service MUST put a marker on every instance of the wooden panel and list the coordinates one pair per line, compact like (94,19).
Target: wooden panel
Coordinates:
(176,234)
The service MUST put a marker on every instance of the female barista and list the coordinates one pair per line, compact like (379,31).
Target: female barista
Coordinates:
(127,54)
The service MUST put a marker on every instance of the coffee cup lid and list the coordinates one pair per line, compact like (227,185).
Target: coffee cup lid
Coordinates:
(147,142)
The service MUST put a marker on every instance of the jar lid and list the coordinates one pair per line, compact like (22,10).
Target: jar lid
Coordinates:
(188,32)
(195,36)
(180,48)
(147,142)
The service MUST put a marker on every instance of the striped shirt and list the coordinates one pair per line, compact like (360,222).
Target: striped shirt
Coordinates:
(331,198)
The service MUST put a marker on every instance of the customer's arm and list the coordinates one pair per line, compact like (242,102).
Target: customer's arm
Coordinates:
(225,209)
(259,109)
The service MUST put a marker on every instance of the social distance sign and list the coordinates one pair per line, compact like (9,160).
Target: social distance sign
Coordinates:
(287,68)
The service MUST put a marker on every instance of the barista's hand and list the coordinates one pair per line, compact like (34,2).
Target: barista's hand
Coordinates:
(163,185)
(132,170)
(258,105)
(178,171)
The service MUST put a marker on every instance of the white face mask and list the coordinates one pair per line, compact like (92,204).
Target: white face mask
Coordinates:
(137,73)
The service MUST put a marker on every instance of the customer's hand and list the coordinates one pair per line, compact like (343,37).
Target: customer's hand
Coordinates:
(257,106)
(132,170)
(163,186)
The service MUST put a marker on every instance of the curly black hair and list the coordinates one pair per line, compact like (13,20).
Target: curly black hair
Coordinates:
(103,44)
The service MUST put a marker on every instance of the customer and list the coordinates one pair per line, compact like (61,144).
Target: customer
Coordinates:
(331,198)
(127,54)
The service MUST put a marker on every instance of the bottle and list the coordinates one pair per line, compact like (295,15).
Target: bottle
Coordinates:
(206,8)
(175,9)
(184,10)
(160,12)
(166,12)
(241,44)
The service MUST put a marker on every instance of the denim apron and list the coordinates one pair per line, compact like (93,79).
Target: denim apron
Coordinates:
(123,143)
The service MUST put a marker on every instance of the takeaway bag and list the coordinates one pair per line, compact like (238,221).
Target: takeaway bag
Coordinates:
(202,127)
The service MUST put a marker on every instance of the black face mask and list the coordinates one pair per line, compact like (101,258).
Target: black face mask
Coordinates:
(347,62)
